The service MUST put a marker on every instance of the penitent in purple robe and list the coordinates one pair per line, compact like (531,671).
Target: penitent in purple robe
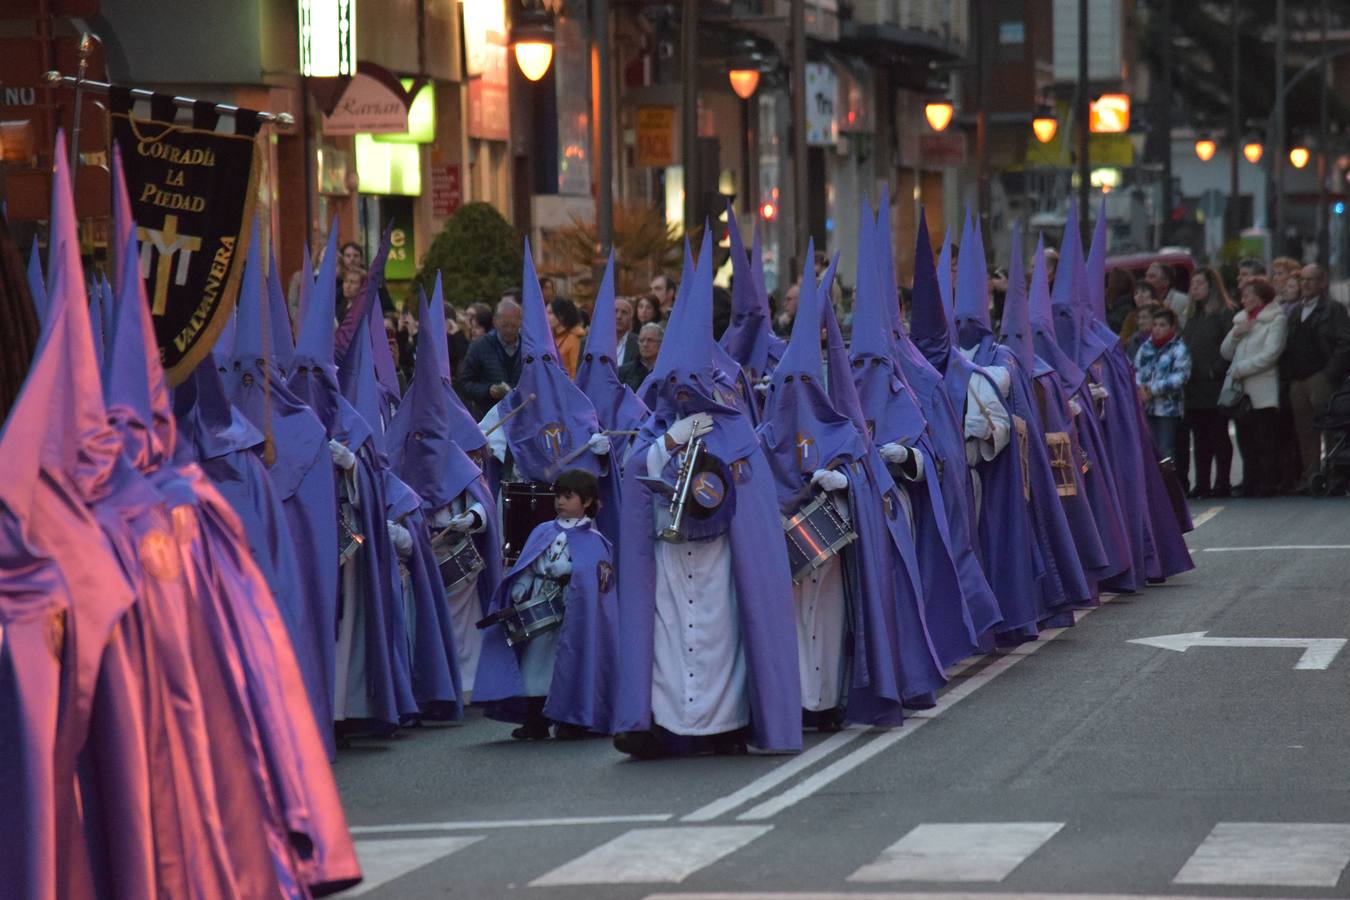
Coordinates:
(615,404)
(749,339)
(686,381)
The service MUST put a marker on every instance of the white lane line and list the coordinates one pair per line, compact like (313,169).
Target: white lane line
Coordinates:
(1298,854)
(383,861)
(772,779)
(1205,516)
(653,854)
(1276,547)
(915,895)
(848,763)
(508,823)
(975,851)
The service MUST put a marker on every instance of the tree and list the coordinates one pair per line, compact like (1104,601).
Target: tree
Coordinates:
(478,256)
(644,245)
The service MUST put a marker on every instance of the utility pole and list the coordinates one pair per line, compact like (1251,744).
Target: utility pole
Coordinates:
(1235,127)
(801,217)
(604,219)
(1277,139)
(1323,214)
(1084,169)
(689,111)
(982,74)
(1165,39)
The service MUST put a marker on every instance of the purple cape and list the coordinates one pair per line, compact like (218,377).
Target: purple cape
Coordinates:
(585,686)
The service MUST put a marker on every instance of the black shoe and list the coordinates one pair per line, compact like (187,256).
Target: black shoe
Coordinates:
(730,744)
(640,745)
(531,731)
(566,731)
(1199,493)
(1221,492)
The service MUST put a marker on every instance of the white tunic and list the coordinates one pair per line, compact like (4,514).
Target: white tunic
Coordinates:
(538,653)
(465,610)
(698,660)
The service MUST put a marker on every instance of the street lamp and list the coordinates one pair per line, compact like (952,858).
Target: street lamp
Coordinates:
(532,38)
(1253,149)
(327,38)
(744,82)
(939,114)
(1298,157)
(747,62)
(1044,125)
(1205,148)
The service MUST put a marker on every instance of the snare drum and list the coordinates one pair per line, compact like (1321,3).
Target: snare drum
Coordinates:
(540,613)
(457,560)
(814,534)
(525,505)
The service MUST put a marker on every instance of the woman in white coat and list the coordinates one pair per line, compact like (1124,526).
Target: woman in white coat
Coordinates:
(1254,344)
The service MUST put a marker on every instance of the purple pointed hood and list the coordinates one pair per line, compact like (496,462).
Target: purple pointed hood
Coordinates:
(685,378)
(928,327)
(890,412)
(313,375)
(944,263)
(422,448)
(1016,324)
(281,339)
(972,290)
(37,286)
(1096,268)
(207,419)
(802,430)
(615,403)
(557,422)
(253,339)
(1043,325)
(747,337)
(306,288)
(360,386)
(463,426)
(1068,287)
(59,420)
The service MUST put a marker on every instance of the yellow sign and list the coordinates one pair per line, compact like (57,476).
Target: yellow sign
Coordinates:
(1104,150)
(1110,114)
(655,136)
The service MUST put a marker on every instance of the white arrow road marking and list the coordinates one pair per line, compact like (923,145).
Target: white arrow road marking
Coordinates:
(1317,652)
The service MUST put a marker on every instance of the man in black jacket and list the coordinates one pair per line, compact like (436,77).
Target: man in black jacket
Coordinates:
(636,370)
(1316,358)
(492,366)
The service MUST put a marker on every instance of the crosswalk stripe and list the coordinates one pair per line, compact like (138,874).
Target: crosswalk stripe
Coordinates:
(984,851)
(653,855)
(384,860)
(1293,854)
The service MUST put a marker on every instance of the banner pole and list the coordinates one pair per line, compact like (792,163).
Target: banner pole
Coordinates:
(86,50)
(55,78)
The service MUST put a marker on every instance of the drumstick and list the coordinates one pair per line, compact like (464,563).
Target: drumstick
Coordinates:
(502,421)
(625,433)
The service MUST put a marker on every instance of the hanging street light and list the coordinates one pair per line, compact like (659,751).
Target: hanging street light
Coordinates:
(1253,149)
(747,62)
(1044,125)
(1205,148)
(939,114)
(1298,157)
(532,39)
(744,82)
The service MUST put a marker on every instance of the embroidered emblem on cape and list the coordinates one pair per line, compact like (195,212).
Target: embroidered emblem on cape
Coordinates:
(806,452)
(184,524)
(740,471)
(709,490)
(56,633)
(553,440)
(604,576)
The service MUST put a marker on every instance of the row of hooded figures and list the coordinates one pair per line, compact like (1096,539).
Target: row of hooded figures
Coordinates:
(766,536)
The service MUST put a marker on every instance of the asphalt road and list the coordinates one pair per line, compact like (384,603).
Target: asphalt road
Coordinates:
(1080,765)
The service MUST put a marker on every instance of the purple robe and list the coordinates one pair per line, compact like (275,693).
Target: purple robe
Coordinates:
(585,686)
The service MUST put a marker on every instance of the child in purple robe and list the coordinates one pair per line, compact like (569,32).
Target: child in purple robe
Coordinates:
(560,679)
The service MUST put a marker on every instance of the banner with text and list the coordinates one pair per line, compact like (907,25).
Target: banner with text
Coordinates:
(192,177)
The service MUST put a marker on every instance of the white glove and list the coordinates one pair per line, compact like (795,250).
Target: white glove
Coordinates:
(686,429)
(829,480)
(461,522)
(599,444)
(894,453)
(1098,392)
(343,458)
(401,538)
(762,386)
(1074,408)
(442,519)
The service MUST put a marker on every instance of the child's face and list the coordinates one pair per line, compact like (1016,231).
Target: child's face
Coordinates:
(569,505)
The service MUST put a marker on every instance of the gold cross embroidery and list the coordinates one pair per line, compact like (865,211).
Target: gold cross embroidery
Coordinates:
(168,242)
